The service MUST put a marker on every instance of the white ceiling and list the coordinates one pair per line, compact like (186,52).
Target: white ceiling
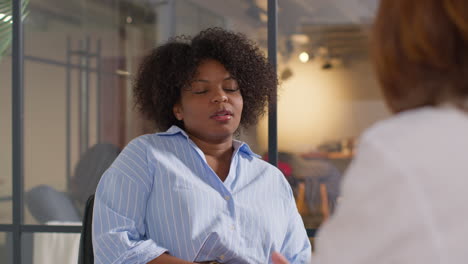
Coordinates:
(317,11)
(336,11)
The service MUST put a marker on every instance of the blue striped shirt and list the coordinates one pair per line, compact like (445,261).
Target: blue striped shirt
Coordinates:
(160,195)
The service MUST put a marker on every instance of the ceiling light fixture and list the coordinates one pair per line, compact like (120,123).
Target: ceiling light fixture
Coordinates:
(304,57)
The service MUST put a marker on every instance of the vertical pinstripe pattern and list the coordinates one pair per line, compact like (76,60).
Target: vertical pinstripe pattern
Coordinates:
(160,195)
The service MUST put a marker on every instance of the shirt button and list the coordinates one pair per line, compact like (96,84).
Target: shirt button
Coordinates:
(227,197)
(221,257)
(233,227)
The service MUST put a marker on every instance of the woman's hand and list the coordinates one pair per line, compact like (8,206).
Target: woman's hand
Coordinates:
(277,258)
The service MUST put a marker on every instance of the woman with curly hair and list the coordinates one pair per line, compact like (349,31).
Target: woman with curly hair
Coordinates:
(193,193)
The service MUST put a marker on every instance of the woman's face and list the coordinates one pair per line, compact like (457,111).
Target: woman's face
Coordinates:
(211,104)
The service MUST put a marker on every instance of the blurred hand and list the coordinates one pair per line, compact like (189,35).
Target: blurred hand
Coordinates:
(277,258)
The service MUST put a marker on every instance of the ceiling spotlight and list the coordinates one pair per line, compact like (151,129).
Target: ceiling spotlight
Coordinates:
(327,65)
(122,72)
(304,57)
(300,38)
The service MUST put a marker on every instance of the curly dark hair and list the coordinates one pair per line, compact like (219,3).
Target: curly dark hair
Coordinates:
(168,68)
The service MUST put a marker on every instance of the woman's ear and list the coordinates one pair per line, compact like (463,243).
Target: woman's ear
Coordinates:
(177,110)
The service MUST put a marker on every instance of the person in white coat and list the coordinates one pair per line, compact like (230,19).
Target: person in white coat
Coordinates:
(404,195)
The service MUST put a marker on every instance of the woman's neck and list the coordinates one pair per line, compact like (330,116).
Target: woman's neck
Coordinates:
(218,155)
(216,149)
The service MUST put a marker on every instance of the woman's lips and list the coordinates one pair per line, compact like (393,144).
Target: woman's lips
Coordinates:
(222,115)
(222,118)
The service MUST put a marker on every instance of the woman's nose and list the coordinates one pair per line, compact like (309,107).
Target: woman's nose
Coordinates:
(220,98)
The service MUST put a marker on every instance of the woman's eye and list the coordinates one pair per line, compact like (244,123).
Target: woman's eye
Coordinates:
(199,91)
(231,89)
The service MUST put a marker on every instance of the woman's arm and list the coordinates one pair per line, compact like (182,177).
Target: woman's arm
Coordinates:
(168,259)
(296,245)
(119,228)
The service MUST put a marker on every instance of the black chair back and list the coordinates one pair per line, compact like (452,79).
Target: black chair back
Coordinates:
(86,254)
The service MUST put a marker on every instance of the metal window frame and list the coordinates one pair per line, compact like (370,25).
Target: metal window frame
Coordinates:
(17,127)
(272,104)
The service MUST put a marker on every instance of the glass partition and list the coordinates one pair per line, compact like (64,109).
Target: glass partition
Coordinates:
(327,97)
(44,248)
(81,57)
(80,60)
(6,248)
(5,113)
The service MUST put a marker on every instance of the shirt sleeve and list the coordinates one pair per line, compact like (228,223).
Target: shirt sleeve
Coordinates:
(382,216)
(296,246)
(120,208)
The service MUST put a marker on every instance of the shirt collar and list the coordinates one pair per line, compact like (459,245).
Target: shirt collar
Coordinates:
(173,130)
(237,144)
(242,146)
